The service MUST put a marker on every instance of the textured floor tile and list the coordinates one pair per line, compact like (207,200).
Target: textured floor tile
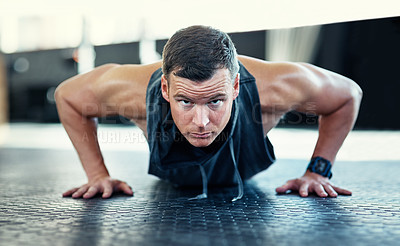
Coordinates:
(32,211)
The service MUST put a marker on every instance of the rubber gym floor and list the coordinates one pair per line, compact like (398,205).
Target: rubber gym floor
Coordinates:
(32,211)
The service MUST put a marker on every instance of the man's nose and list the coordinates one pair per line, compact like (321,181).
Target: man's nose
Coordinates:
(200,117)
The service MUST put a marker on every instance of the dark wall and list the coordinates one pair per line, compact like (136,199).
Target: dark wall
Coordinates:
(246,43)
(369,53)
(250,43)
(127,53)
(366,51)
(33,77)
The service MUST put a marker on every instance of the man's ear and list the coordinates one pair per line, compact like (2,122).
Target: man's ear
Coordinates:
(164,88)
(236,86)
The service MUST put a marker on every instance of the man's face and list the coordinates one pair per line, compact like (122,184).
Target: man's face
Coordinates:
(201,110)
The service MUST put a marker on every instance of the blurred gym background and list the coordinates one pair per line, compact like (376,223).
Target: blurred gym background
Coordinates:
(38,53)
(44,42)
(40,48)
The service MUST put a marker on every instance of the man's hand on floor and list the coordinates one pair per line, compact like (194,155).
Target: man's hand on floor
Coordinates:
(105,186)
(312,183)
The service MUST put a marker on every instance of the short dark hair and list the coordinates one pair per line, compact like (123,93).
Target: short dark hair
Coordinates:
(196,52)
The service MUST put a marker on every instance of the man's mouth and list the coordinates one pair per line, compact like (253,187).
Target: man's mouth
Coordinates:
(200,135)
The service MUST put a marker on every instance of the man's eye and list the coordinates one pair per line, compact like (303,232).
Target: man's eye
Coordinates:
(184,102)
(215,102)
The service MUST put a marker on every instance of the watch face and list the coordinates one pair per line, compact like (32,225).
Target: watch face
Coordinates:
(320,166)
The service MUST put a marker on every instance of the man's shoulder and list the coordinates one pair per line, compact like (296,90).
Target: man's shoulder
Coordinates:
(273,83)
(131,72)
(264,71)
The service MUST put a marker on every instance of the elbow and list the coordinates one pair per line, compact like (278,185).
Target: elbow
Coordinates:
(59,94)
(360,93)
(65,106)
(62,96)
(357,93)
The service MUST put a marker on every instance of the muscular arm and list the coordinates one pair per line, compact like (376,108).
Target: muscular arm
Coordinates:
(336,99)
(306,88)
(107,90)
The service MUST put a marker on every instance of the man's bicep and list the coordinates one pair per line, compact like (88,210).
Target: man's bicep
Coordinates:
(324,91)
(77,92)
(287,86)
(122,91)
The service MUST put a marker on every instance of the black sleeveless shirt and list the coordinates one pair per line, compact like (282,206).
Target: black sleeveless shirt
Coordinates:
(173,158)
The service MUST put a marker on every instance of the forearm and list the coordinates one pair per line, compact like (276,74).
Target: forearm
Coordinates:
(107,90)
(82,130)
(334,128)
(84,138)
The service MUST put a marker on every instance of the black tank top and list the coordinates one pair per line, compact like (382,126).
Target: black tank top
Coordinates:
(171,153)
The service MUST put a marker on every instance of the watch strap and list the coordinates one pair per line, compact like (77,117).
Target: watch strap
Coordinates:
(313,167)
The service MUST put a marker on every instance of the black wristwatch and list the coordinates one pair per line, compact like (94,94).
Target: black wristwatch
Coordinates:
(321,166)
